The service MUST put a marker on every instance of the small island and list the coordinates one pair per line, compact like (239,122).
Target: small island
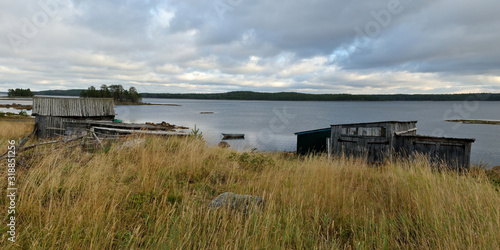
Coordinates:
(22,93)
(490,122)
(120,95)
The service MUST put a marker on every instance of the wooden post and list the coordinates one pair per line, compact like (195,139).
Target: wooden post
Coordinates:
(329,148)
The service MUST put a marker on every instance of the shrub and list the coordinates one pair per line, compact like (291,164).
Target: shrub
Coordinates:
(196,133)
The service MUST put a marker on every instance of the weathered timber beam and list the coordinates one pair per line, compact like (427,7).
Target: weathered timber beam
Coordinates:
(405,132)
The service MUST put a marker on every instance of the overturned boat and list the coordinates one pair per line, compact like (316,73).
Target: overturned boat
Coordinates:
(233,136)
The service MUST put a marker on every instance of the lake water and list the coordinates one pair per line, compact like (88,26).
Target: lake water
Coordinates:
(5,100)
(270,125)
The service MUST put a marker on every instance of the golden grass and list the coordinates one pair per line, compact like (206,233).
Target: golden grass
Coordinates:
(154,195)
(13,130)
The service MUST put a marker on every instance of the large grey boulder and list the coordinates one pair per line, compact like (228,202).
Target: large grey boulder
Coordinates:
(240,202)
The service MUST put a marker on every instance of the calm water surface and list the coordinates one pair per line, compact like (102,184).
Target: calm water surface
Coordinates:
(270,125)
(5,100)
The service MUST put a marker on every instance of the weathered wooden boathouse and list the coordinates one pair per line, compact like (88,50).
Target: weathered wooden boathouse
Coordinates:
(378,141)
(74,117)
(53,114)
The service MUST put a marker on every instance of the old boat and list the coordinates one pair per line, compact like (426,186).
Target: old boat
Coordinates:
(232,136)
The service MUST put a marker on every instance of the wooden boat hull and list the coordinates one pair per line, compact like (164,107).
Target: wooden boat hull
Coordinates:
(233,136)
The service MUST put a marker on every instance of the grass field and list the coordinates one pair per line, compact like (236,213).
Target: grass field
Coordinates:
(154,195)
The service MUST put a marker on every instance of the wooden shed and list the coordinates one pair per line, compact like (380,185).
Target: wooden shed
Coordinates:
(52,114)
(455,152)
(378,141)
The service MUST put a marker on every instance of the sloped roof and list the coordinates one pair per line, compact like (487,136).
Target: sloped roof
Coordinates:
(73,107)
(368,123)
(433,138)
(314,131)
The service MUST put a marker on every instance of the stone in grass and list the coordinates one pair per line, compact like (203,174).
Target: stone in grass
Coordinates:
(245,203)
(132,143)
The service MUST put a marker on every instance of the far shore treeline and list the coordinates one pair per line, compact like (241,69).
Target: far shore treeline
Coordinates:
(294,96)
(117,92)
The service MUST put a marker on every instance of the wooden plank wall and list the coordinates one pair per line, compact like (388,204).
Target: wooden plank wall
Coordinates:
(370,141)
(73,107)
(49,126)
(393,128)
(376,142)
(453,152)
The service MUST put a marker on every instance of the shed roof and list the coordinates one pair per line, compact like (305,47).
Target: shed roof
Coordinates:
(314,131)
(434,138)
(366,123)
(73,107)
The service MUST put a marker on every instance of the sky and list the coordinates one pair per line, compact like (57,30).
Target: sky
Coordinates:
(213,46)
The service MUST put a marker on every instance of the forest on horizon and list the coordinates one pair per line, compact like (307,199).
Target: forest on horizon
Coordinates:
(294,96)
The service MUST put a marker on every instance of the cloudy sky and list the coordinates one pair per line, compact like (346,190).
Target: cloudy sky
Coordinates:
(313,46)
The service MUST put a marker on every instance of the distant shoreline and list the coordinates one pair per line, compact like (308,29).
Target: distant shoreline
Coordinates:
(294,96)
(29,107)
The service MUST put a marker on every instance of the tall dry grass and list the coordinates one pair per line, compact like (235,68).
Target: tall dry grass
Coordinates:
(14,130)
(154,195)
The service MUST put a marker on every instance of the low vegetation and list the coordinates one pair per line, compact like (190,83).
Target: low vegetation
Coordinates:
(153,194)
(17,106)
(21,116)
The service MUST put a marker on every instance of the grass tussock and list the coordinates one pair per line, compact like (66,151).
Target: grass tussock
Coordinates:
(154,195)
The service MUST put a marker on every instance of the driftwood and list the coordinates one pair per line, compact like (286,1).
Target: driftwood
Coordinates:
(2,156)
(47,143)
(21,149)
(26,139)
(98,140)
(136,131)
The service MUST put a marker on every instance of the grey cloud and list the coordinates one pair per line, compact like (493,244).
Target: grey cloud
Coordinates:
(258,45)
